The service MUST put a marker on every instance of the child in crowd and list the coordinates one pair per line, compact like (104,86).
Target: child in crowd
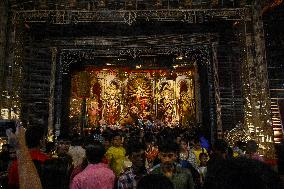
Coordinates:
(197,150)
(203,158)
(183,153)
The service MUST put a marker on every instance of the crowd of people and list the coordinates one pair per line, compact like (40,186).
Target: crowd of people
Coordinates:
(168,158)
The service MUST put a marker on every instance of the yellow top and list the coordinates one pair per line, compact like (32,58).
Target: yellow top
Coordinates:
(116,157)
(198,152)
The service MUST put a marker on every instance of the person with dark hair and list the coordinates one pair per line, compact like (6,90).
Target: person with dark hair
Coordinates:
(5,161)
(197,149)
(96,174)
(116,154)
(4,158)
(62,146)
(251,151)
(241,173)
(202,169)
(239,148)
(180,177)
(55,173)
(219,154)
(184,155)
(50,148)
(155,182)
(33,137)
(136,154)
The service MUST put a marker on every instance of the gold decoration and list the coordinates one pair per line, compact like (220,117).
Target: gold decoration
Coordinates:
(115,96)
(166,103)
(239,133)
(139,93)
(112,102)
(256,92)
(83,84)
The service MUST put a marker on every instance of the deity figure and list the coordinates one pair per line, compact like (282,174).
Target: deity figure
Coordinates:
(94,104)
(112,99)
(166,103)
(94,110)
(139,93)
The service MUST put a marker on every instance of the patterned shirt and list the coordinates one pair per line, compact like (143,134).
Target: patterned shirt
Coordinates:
(97,176)
(192,159)
(128,180)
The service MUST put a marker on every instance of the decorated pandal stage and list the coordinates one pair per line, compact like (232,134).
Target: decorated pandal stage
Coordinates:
(132,97)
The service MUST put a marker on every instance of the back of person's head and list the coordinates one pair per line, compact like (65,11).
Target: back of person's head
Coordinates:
(241,173)
(55,173)
(196,140)
(168,146)
(95,153)
(220,146)
(134,146)
(49,147)
(115,134)
(251,146)
(155,182)
(33,136)
(76,140)
(240,144)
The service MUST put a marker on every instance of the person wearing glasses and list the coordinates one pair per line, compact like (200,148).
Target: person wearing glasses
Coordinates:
(180,177)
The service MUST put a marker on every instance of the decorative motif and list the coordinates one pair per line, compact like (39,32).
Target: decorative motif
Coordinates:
(139,92)
(112,102)
(128,16)
(94,103)
(166,103)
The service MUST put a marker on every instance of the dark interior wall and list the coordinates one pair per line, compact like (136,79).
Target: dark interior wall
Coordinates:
(3,36)
(35,89)
(229,72)
(274,29)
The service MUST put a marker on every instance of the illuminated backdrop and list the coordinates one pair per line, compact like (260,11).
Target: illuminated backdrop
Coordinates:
(123,96)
